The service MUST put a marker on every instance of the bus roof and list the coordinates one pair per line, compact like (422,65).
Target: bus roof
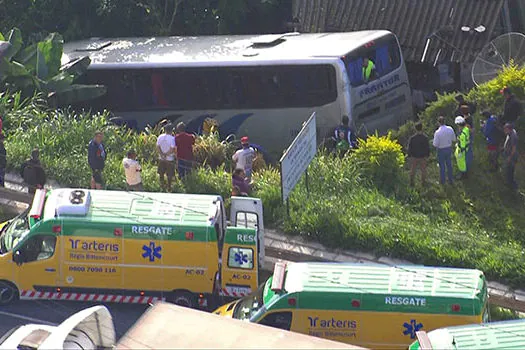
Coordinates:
(189,326)
(486,336)
(216,50)
(135,207)
(378,287)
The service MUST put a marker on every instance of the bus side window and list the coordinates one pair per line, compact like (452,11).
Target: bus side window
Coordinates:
(38,248)
(281,320)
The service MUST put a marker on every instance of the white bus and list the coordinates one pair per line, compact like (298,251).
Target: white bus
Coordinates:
(261,86)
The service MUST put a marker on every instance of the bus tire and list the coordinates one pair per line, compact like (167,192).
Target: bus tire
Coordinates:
(8,293)
(184,298)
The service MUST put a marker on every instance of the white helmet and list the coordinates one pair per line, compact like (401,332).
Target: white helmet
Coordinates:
(459,120)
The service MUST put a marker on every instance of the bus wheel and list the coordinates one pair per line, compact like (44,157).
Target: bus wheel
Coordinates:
(8,293)
(185,299)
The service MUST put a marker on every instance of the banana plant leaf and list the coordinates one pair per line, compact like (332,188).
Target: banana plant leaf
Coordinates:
(27,56)
(76,93)
(49,55)
(77,67)
(59,83)
(15,39)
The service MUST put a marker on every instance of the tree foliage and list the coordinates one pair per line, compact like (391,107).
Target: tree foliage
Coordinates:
(37,68)
(77,19)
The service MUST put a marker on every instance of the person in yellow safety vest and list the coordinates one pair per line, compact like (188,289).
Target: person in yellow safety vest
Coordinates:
(462,146)
(368,69)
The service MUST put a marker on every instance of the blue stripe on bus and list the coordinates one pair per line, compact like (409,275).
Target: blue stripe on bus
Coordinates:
(232,125)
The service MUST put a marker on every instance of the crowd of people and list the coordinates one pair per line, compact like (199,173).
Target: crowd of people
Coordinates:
(175,153)
(499,132)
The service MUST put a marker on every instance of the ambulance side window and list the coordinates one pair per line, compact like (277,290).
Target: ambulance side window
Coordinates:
(38,248)
(281,320)
(247,220)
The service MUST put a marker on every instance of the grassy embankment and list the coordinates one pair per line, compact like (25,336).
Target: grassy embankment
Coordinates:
(360,202)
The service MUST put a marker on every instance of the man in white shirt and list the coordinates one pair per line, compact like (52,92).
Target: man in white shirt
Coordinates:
(444,139)
(244,157)
(166,149)
(132,170)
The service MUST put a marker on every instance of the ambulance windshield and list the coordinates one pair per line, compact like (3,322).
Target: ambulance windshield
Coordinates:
(13,232)
(249,305)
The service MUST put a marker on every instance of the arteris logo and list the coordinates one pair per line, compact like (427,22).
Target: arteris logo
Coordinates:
(94,245)
(315,322)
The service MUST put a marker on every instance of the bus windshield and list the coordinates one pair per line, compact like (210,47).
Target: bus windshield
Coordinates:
(249,305)
(13,232)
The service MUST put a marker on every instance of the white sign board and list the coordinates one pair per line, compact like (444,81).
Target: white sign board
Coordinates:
(298,156)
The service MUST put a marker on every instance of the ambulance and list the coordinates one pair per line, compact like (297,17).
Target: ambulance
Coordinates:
(131,247)
(502,335)
(373,306)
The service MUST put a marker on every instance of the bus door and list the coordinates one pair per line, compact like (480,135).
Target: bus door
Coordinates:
(239,262)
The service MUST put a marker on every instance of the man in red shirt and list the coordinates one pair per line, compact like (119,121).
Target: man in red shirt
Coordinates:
(184,142)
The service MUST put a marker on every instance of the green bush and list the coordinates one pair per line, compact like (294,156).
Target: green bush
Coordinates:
(382,160)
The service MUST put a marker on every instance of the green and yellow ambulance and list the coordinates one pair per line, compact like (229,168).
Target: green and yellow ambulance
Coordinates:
(504,335)
(131,247)
(373,306)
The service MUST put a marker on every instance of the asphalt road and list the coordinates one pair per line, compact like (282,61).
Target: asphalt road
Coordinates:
(55,312)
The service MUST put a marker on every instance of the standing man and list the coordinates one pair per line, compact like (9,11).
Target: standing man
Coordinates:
(490,131)
(97,160)
(184,143)
(166,149)
(462,146)
(244,157)
(132,170)
(510,154)
(512,109)
(418,151)
(444,138)
(33,173)
(3,161)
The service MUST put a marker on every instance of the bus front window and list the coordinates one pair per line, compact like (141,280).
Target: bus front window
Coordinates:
(249,305)
(13,232)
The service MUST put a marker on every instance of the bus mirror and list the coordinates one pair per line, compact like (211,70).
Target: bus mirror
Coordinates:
(17,257)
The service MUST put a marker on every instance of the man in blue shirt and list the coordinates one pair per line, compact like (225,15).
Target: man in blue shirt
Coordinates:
(492,135)
(344,137)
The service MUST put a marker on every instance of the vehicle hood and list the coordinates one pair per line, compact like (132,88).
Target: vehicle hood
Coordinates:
(226,310)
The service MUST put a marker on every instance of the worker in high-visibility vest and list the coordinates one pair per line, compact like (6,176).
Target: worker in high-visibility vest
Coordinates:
(368,69)
(462,146)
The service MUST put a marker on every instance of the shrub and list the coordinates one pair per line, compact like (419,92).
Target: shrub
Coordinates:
(382,159)
(210,151)
(445,106)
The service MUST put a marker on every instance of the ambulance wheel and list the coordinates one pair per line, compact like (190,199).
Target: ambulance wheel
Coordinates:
(185,299)
(8,293)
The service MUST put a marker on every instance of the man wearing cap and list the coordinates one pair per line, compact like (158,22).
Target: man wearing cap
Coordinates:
(512,109)
(510,154)
(244,157)
(462,146)
(444,138)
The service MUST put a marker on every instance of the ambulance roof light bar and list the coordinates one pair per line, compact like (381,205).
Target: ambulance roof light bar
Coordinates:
(38,204)
(278,277)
